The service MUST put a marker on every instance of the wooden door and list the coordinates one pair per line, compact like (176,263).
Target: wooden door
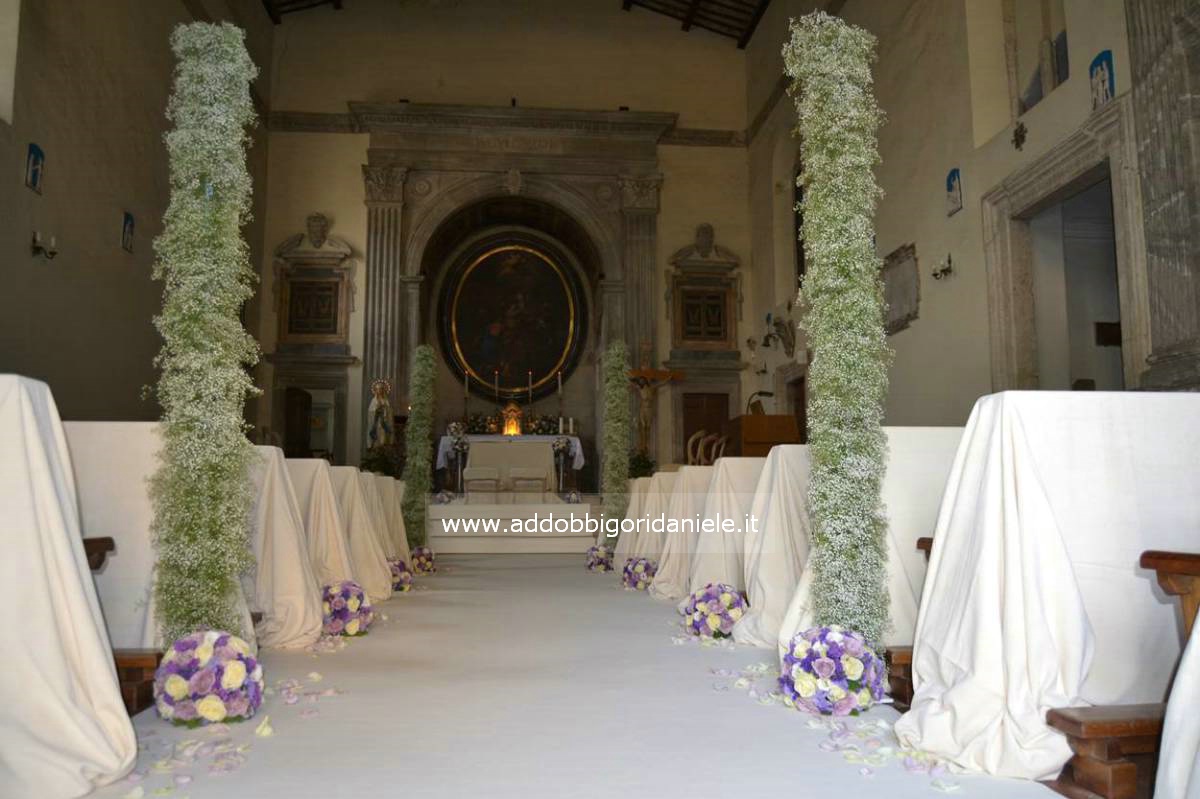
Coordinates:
(703,412)
(798,400)
(297,423)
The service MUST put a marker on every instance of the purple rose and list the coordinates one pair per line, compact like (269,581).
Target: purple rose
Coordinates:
(823,667)
(845,705)
(238,704)
(202,682)
(185,710)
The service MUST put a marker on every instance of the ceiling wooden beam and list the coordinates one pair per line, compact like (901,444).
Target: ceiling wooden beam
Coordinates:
(758,15)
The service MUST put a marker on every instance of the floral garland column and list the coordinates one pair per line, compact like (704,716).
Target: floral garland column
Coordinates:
(201,493)
(830,64)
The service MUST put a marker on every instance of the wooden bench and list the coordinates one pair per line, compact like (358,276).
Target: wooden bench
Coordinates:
(899,658)
(97,550)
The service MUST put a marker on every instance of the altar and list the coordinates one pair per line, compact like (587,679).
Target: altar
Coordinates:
(512,455)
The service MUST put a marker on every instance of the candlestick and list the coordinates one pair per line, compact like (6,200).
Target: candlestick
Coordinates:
(496,380)
(560,425)
(560,384)
(530,378)
(572,425)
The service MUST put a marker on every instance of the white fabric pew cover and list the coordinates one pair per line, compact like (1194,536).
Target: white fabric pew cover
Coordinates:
(650,538)
(1179,755)
(325,532)
(776,544)
(626,540)
(370,563)
(63,727)
(370,487)
(919,462)
(391,492)
(686,504)
(719,553)
(113,464)
(282,584)
(1034,598)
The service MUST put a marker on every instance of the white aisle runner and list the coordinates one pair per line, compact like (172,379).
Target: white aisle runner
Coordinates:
(526,677)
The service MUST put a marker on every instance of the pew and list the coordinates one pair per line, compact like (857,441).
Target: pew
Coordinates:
(1115,747)
(135,667)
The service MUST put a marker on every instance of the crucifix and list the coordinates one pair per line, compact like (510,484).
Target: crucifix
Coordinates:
(646,381)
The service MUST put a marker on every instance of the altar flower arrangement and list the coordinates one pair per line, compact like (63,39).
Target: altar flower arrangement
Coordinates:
(422,561)
(712,611)
(638,573)
(208,677)
(402,578)
(346,609)
(561,447)
(832,671)
(459,442)
(599,559)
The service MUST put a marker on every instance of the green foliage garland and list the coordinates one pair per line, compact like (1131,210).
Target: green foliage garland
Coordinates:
(830,64)
(614,466)
(200,492)
(418,437)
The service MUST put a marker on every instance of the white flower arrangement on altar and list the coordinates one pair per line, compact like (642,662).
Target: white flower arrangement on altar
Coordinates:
(830,64)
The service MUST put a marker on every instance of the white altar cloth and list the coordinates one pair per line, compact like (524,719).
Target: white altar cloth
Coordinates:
(777,543)
(63,726)
(719,553)
(445,451)
(391,493)
(281,584)
(370,563)
(1179,755)
(649,542)
(626,540)
(379,518)
(113,463)
(1034,598)
(919,463)
(686,504)
(325,532)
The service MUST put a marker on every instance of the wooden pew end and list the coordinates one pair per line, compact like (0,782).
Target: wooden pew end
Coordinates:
(135,673)
(1115,750)
(900,679)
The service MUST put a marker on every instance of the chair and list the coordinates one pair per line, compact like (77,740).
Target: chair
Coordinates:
(693,447)
(706,445)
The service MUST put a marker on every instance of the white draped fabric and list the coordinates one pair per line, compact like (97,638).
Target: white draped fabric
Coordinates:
(649,543)
(325,532)
(391,492)
(919,463)
(63,727)
(686,506)
(370,562)
(282,584)
(1034,598)
(1179,755)
(719,552)
(627,540)
(379,518)
(777,544)
(113,463)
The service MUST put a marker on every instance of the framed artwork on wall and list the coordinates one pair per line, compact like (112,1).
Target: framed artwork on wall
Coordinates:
(35,165)
(127,232)
(1102,78)
(901,288)
(954,202)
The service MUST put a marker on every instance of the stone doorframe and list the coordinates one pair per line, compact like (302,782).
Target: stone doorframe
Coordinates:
(1105,146)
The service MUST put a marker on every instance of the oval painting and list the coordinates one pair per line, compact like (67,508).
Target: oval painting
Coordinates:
(514,319)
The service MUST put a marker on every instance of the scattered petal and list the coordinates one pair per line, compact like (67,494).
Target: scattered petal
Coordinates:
(315,676)
(866,772)
(264,730)
(945,786)
(137,793)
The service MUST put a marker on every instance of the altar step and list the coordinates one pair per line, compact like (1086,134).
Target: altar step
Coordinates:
(488,528)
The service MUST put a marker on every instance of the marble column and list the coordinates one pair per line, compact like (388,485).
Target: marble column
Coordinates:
(384,344)
(639,214)
(1164,49)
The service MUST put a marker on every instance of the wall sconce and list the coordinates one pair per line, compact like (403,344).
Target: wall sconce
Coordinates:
(750,403)
(47,251)
(944,269)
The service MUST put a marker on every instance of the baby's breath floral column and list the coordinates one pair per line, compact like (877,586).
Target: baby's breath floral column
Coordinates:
(614,466)
(830,64)
(418,439)
(200,492)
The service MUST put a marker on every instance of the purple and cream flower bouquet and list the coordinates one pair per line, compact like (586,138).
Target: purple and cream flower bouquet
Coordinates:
(208,677)
(638,573)
(422,561)
(346,609)
(599,559)
(402,578)
(832,671)
(712,611)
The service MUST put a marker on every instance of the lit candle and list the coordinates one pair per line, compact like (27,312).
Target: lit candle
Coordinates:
(560,425)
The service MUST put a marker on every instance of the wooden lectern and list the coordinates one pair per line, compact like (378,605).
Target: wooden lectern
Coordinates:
(753,435)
